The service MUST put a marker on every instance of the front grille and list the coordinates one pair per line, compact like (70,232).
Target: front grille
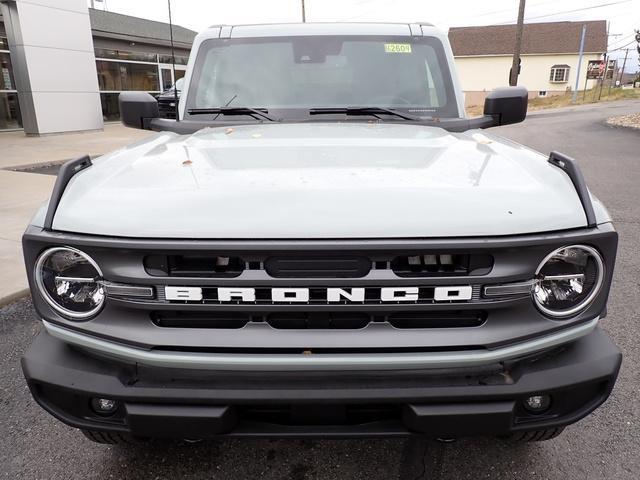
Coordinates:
(320,320)
(313,265)
(274,320)
(165,109)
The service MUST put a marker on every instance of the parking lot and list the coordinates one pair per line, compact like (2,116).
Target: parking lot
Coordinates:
(605,445)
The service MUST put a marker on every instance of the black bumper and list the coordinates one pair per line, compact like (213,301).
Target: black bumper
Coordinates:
(447,403)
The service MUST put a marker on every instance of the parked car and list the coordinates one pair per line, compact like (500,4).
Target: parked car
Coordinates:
(322,245)
(167,100)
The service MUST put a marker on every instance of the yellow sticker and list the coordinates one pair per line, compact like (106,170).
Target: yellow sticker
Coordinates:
(397,47)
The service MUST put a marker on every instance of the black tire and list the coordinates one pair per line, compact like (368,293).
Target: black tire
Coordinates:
(535,435)
(110,438)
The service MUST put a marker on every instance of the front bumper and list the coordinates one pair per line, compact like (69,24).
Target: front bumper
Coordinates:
(447,402)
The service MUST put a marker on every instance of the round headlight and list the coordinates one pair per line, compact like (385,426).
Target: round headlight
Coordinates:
(568,280)
(70,281)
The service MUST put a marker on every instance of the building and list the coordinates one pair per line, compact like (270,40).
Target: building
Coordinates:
(122,53)
(135,54)
(549,56)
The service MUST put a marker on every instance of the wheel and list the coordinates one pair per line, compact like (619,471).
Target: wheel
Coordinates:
(535,435)
(111,438)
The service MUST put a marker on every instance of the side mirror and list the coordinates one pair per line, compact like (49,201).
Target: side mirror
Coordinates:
(507,105)
(137,109)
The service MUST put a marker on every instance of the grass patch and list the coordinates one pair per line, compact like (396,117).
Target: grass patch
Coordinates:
(556,101)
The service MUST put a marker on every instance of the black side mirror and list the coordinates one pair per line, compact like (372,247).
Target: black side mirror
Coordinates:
(507,105)
(137,109)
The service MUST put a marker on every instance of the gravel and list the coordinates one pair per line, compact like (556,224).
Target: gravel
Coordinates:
(628,121)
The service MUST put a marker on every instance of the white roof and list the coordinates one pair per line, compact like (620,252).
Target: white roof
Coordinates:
(298,29)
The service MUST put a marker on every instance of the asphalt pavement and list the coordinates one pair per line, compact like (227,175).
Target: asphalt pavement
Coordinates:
(604,445)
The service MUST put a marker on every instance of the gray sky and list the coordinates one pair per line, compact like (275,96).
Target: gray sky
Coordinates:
(624,16)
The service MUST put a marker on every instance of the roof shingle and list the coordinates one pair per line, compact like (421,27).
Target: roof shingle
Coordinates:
(537,38)
(116,25)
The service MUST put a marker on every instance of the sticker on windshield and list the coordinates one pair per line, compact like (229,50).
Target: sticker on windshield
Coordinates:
(397,47)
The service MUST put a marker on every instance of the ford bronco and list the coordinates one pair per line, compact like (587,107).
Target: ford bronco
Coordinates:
(321,243)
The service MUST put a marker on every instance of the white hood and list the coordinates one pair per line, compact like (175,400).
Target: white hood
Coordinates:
(320,180)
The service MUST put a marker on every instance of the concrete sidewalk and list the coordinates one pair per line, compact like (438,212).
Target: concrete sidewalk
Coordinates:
(18,150)
(22,193)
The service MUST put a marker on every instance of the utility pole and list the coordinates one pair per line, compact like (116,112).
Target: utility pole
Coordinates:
(304,16)
(515,65)
(574,97)
(624,64)
(606,65)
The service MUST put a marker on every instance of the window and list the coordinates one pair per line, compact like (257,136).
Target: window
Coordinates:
(6,72)
(10,117)
(116,76)
(559,74)
(124,55)
(180,60)
(110,109)
(294,74)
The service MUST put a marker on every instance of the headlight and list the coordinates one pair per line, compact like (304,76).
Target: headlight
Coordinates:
(70,281)
(568,280)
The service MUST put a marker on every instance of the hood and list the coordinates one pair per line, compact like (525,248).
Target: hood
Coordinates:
(320,180)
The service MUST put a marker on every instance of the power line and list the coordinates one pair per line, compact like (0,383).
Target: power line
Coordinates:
(623,46)
(571,11)
(623,39)
(511,10)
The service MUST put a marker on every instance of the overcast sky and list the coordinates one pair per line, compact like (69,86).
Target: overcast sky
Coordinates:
(623,15)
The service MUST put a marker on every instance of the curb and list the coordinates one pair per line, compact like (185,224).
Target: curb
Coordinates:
(12,297)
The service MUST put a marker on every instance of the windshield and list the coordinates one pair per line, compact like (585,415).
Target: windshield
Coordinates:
(293,75)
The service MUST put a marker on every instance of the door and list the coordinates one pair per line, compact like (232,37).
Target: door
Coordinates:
(166,76)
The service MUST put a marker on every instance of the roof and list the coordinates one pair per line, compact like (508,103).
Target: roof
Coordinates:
(321,28)
(116,25)
(538,38)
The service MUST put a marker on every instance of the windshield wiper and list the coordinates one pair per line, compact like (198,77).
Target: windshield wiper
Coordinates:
(252,112)
(375,111)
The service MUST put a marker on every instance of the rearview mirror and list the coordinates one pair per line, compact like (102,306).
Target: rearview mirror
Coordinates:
(507,105)
(137,109)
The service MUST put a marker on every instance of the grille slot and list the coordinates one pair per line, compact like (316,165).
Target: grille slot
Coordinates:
(318,267)
(331,321)
(319,320)
(227,320)
(440,264)
(445,319)
(193,266)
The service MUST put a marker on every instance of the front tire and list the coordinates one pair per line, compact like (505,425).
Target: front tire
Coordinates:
(535,435)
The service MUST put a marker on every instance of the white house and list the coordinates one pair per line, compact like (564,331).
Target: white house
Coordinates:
(549,56)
